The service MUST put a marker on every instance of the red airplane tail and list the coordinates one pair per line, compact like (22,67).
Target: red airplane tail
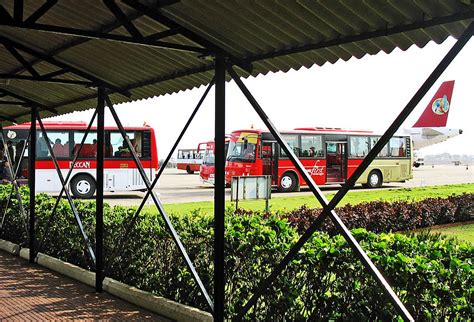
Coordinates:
(436,113)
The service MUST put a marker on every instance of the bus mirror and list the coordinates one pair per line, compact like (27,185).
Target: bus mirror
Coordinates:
(245,144)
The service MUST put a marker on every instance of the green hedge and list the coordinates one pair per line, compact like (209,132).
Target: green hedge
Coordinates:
(382,216)
(432,275)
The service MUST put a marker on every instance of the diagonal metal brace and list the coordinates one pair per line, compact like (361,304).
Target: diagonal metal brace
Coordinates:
(17,170)
(324,203)
(68,195)
(66,180)
(14,182)
(160,171)
(160,207)
(327,207)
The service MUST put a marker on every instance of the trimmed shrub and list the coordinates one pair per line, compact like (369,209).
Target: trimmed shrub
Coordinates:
(381,216)
(432,275)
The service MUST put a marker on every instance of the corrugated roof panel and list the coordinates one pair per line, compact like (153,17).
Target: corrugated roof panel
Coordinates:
(365,13)
(408,9)
(385,44)
(273,35)
(388,12)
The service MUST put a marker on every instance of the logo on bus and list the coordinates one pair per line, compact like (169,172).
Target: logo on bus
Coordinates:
(317,170)
(81,165)
(440,106)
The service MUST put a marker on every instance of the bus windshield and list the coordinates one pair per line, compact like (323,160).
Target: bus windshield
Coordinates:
(241,151)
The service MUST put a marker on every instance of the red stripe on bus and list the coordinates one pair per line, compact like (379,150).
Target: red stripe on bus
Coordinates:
(91,164)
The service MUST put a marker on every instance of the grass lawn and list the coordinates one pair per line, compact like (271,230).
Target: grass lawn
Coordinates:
(462,231)
(353,197)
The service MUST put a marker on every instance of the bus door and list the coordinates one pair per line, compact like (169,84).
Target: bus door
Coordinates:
(336,161)
(270,160)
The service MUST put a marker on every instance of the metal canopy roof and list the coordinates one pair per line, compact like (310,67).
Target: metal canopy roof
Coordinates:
(55,53)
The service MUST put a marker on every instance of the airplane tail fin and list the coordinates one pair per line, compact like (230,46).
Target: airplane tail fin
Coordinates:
(436,113)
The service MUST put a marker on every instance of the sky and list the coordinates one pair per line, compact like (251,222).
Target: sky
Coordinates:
(366,93)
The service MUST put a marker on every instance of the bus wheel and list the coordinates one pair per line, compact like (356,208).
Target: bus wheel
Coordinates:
(375,179)
(83,186)
(288,182)
(188,170)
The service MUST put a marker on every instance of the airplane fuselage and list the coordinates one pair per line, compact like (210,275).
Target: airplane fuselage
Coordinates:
(426,136)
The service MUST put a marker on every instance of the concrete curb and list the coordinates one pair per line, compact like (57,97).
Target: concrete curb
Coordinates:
(9,247)
(160,305)
(25,253)
(67,269)
(146,300)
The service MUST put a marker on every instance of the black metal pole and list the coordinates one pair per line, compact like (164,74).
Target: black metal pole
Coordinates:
(31,183)
(99,197)
(219,190)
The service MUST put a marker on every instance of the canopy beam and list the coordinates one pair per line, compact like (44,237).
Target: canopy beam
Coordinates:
(53,61)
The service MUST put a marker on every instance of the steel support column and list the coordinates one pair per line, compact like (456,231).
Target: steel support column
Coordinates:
(99,197)
(31,184)
(219,190)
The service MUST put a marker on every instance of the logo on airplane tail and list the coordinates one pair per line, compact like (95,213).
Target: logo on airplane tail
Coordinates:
(440,106)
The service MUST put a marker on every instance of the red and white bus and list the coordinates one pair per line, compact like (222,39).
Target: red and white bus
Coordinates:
(190,159)
(330,155)
(207,170)
(120,171)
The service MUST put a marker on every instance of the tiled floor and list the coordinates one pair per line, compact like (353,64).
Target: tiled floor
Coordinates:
(33,293)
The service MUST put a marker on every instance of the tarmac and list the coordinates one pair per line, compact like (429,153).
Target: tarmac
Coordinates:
(176,186)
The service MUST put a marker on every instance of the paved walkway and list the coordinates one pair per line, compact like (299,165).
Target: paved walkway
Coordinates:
(33,293)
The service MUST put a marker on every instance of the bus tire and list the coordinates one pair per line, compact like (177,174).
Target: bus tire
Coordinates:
(374,180)
(83,186)
(288,182)
(188,170)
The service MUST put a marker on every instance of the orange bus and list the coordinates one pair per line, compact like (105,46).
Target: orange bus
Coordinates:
(330,155)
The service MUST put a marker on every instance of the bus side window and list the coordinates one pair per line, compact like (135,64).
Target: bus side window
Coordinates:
(384,152)
(311,146)
(398,147)
(359,146)
(292,141)
(119,145)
